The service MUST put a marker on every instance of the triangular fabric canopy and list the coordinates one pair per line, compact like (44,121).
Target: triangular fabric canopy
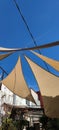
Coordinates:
(16,83)
(53,63)
(49,87)
(2,56)
(2,49)
(56,43)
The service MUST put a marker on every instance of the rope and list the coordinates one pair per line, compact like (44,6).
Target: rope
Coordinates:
(28,29)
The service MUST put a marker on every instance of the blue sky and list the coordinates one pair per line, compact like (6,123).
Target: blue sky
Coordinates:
(42,17)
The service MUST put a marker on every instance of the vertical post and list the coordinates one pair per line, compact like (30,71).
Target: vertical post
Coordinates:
(14,99)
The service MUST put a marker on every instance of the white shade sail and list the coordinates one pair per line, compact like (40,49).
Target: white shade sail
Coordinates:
(16,83)
(2,49)
(51,62)
(49,87)
(2,56)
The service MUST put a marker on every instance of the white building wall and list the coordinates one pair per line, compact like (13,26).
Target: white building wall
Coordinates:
(35,96)
(7,97)
(20,101)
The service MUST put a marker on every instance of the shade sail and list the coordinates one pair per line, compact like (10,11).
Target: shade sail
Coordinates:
(16,83)
(2,49)
(56,43)
(49,87)
(2,56)
(53,63)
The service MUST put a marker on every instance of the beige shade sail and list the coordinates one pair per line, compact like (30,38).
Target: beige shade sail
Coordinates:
(49,87)
(51,62)
(16,83)
(2,56)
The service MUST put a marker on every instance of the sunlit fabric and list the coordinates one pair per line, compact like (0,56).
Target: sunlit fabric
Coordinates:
(2,49)
(16,83)
(49,87)
(51,62)
(56,43)
(2,56)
